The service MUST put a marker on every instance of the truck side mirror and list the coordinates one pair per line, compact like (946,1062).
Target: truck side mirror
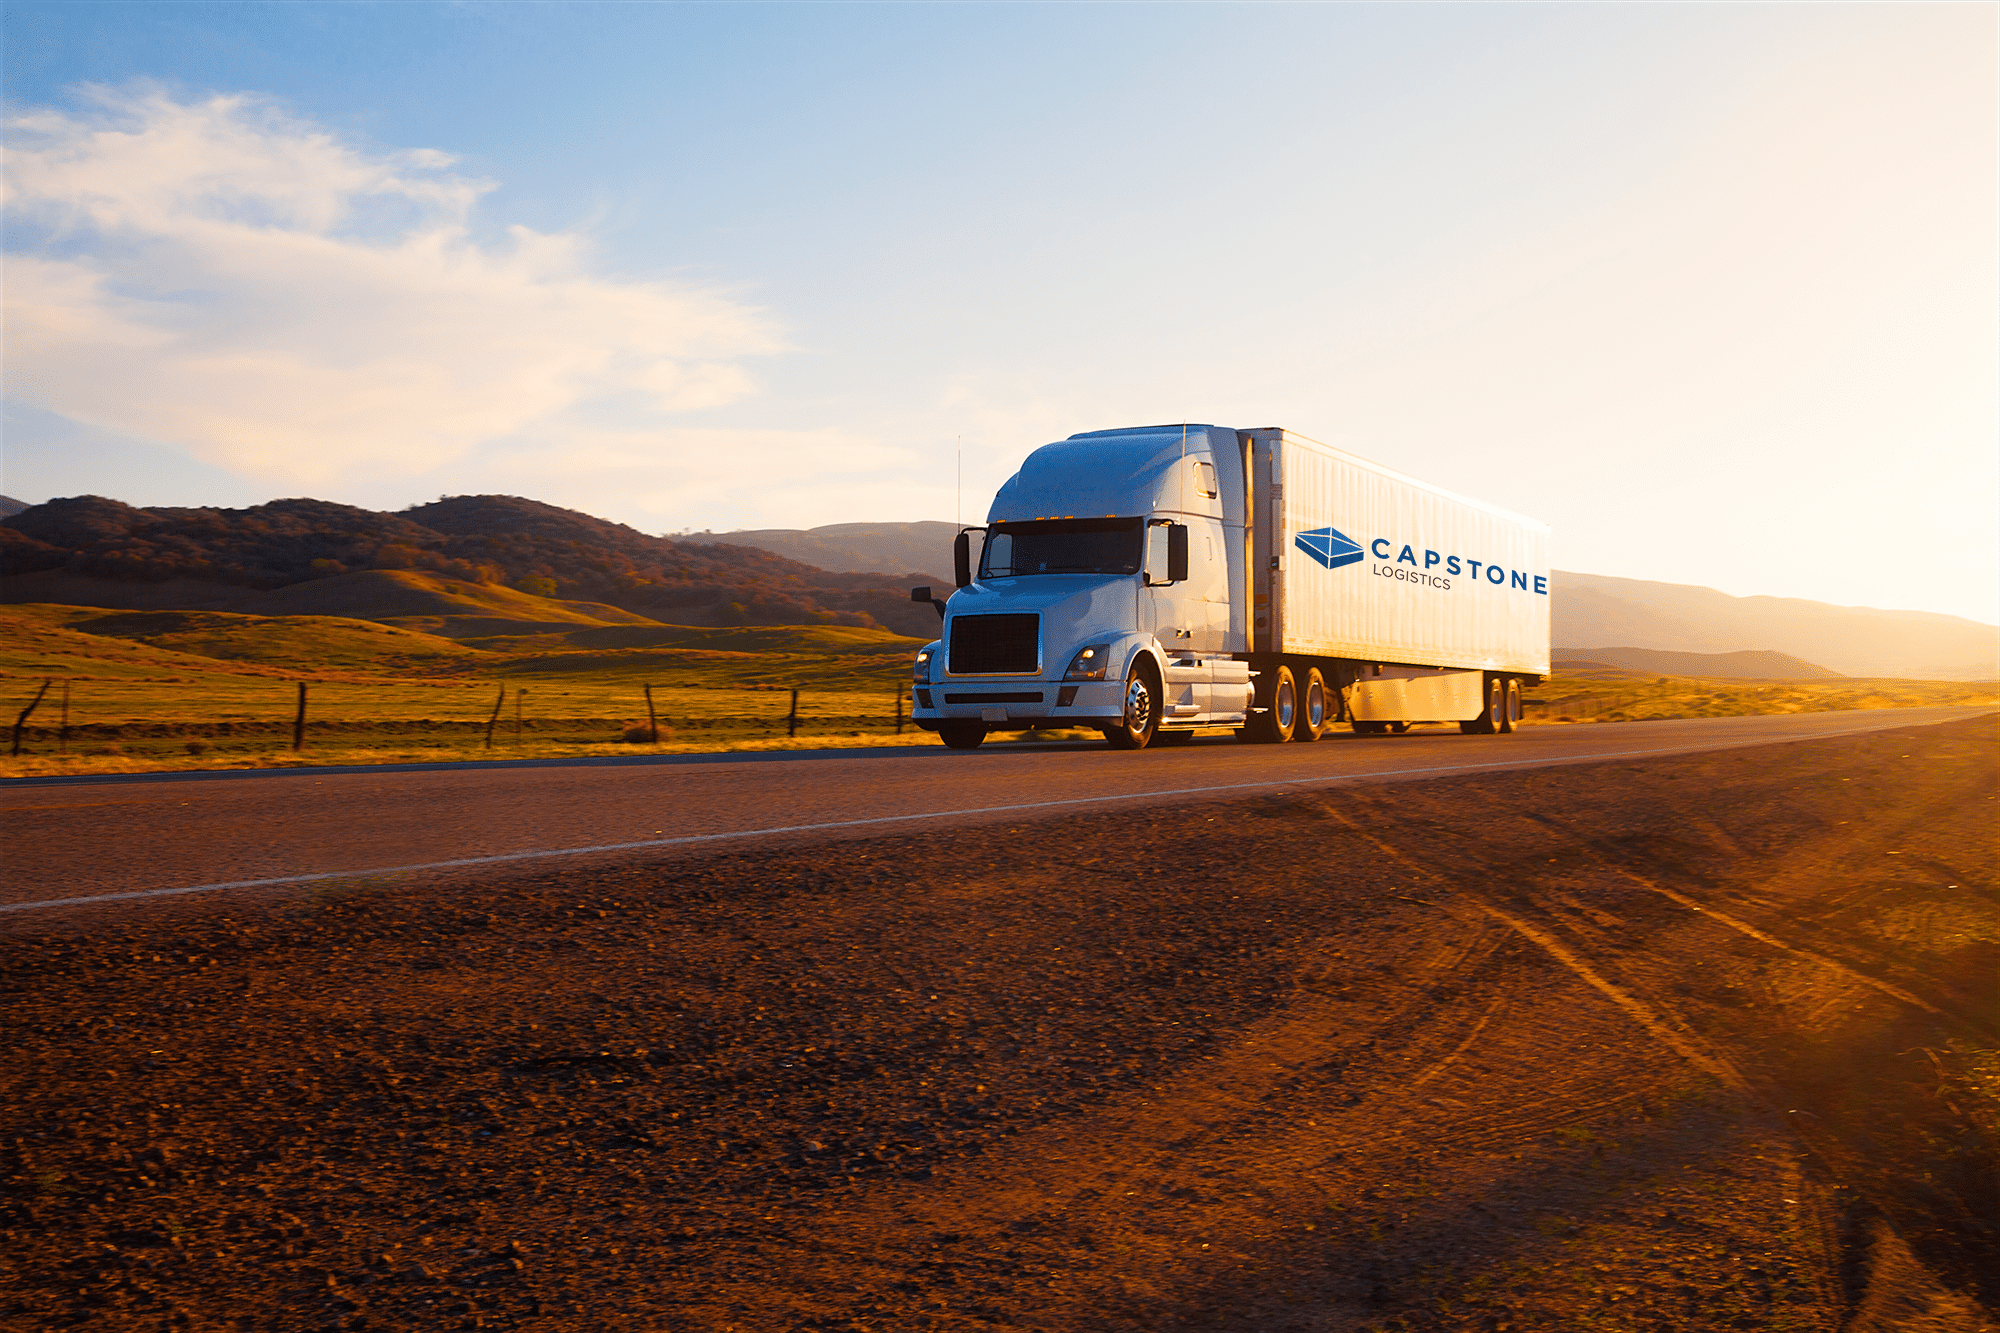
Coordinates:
(1177,553)
(961,559)
(924,595)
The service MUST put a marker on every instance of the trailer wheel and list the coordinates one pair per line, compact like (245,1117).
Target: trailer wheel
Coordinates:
(962,735)
(1273,725)
(1142,713)
(1312,723)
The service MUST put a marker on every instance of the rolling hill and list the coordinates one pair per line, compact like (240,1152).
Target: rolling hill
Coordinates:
(93,551)
(455,566)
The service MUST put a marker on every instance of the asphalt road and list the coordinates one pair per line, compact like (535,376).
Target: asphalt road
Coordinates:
(109,838)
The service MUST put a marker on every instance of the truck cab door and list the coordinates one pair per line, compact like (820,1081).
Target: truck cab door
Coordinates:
(1178,616)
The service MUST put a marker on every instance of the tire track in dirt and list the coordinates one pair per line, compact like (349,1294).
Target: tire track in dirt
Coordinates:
(1610,862)
(1659,1030)
(1138,1179)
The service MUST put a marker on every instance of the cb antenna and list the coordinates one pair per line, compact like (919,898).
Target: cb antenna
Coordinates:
(961,482)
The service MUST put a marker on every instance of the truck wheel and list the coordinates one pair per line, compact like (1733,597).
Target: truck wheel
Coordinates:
(1510,716)
(1273,726)
(962,735)
(1142,712)
(1312,722)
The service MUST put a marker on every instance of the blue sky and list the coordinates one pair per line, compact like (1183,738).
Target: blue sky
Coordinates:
(1711,289)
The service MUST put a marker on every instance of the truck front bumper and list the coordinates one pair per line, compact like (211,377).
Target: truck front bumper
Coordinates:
(1019,704)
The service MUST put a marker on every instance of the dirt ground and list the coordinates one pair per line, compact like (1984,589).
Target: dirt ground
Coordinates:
(1700,1043)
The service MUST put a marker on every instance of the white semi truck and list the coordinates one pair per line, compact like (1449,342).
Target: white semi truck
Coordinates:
(1157,580)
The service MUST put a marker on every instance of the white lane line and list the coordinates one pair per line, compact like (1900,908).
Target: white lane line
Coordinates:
(845,823)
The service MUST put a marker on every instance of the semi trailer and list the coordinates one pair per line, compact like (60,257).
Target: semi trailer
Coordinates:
(1157,580)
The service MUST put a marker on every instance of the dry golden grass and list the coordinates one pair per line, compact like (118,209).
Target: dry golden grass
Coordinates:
(161,690)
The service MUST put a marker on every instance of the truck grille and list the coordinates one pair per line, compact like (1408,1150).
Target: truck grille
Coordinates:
(994,645)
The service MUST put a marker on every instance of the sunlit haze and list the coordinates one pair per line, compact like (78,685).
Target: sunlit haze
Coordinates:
(1711,289)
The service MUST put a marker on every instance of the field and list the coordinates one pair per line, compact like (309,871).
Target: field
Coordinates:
(421,681)
(208,689)
(1633,696)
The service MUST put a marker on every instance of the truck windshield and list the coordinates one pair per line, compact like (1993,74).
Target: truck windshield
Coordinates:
(1062,546)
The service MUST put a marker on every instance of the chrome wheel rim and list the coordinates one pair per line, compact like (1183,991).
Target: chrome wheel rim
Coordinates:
(1315,707)
(1287,706)
(1138,706)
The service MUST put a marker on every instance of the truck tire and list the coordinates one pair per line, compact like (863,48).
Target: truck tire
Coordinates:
(1141,722)
(1510,712)
(1488,722)
(962,735)
(1280,707)
(1312,723)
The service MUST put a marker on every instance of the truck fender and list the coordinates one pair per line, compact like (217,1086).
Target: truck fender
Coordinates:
(1144,646)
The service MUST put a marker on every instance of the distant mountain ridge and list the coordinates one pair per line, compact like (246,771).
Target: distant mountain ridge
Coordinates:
(1851,640)
(1751,665)
(855,547)
(1588,609)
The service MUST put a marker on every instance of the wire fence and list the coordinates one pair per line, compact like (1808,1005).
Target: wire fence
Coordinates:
(50,721)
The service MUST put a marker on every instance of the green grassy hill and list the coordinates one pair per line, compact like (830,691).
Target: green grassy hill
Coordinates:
(433,604)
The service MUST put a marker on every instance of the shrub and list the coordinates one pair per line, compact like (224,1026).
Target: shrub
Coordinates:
(198,747)
(641,734)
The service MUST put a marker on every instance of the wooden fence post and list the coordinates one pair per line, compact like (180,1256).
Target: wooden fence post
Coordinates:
(62,736)
(22,720)
(494,721)
(899,710)
(652,718)
(518,692)
(299,721)
(792,721)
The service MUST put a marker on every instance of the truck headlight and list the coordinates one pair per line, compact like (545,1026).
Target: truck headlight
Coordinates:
(923,669)
(1089,663)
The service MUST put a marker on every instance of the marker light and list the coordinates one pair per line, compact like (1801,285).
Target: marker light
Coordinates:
(923,671)
(1089,663)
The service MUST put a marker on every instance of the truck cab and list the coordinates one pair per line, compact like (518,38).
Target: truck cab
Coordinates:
(1107,589)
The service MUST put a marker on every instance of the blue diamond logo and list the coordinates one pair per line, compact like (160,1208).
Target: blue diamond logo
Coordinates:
(1330,546)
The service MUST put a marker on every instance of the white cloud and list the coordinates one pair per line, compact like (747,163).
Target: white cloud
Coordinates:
(217,276)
